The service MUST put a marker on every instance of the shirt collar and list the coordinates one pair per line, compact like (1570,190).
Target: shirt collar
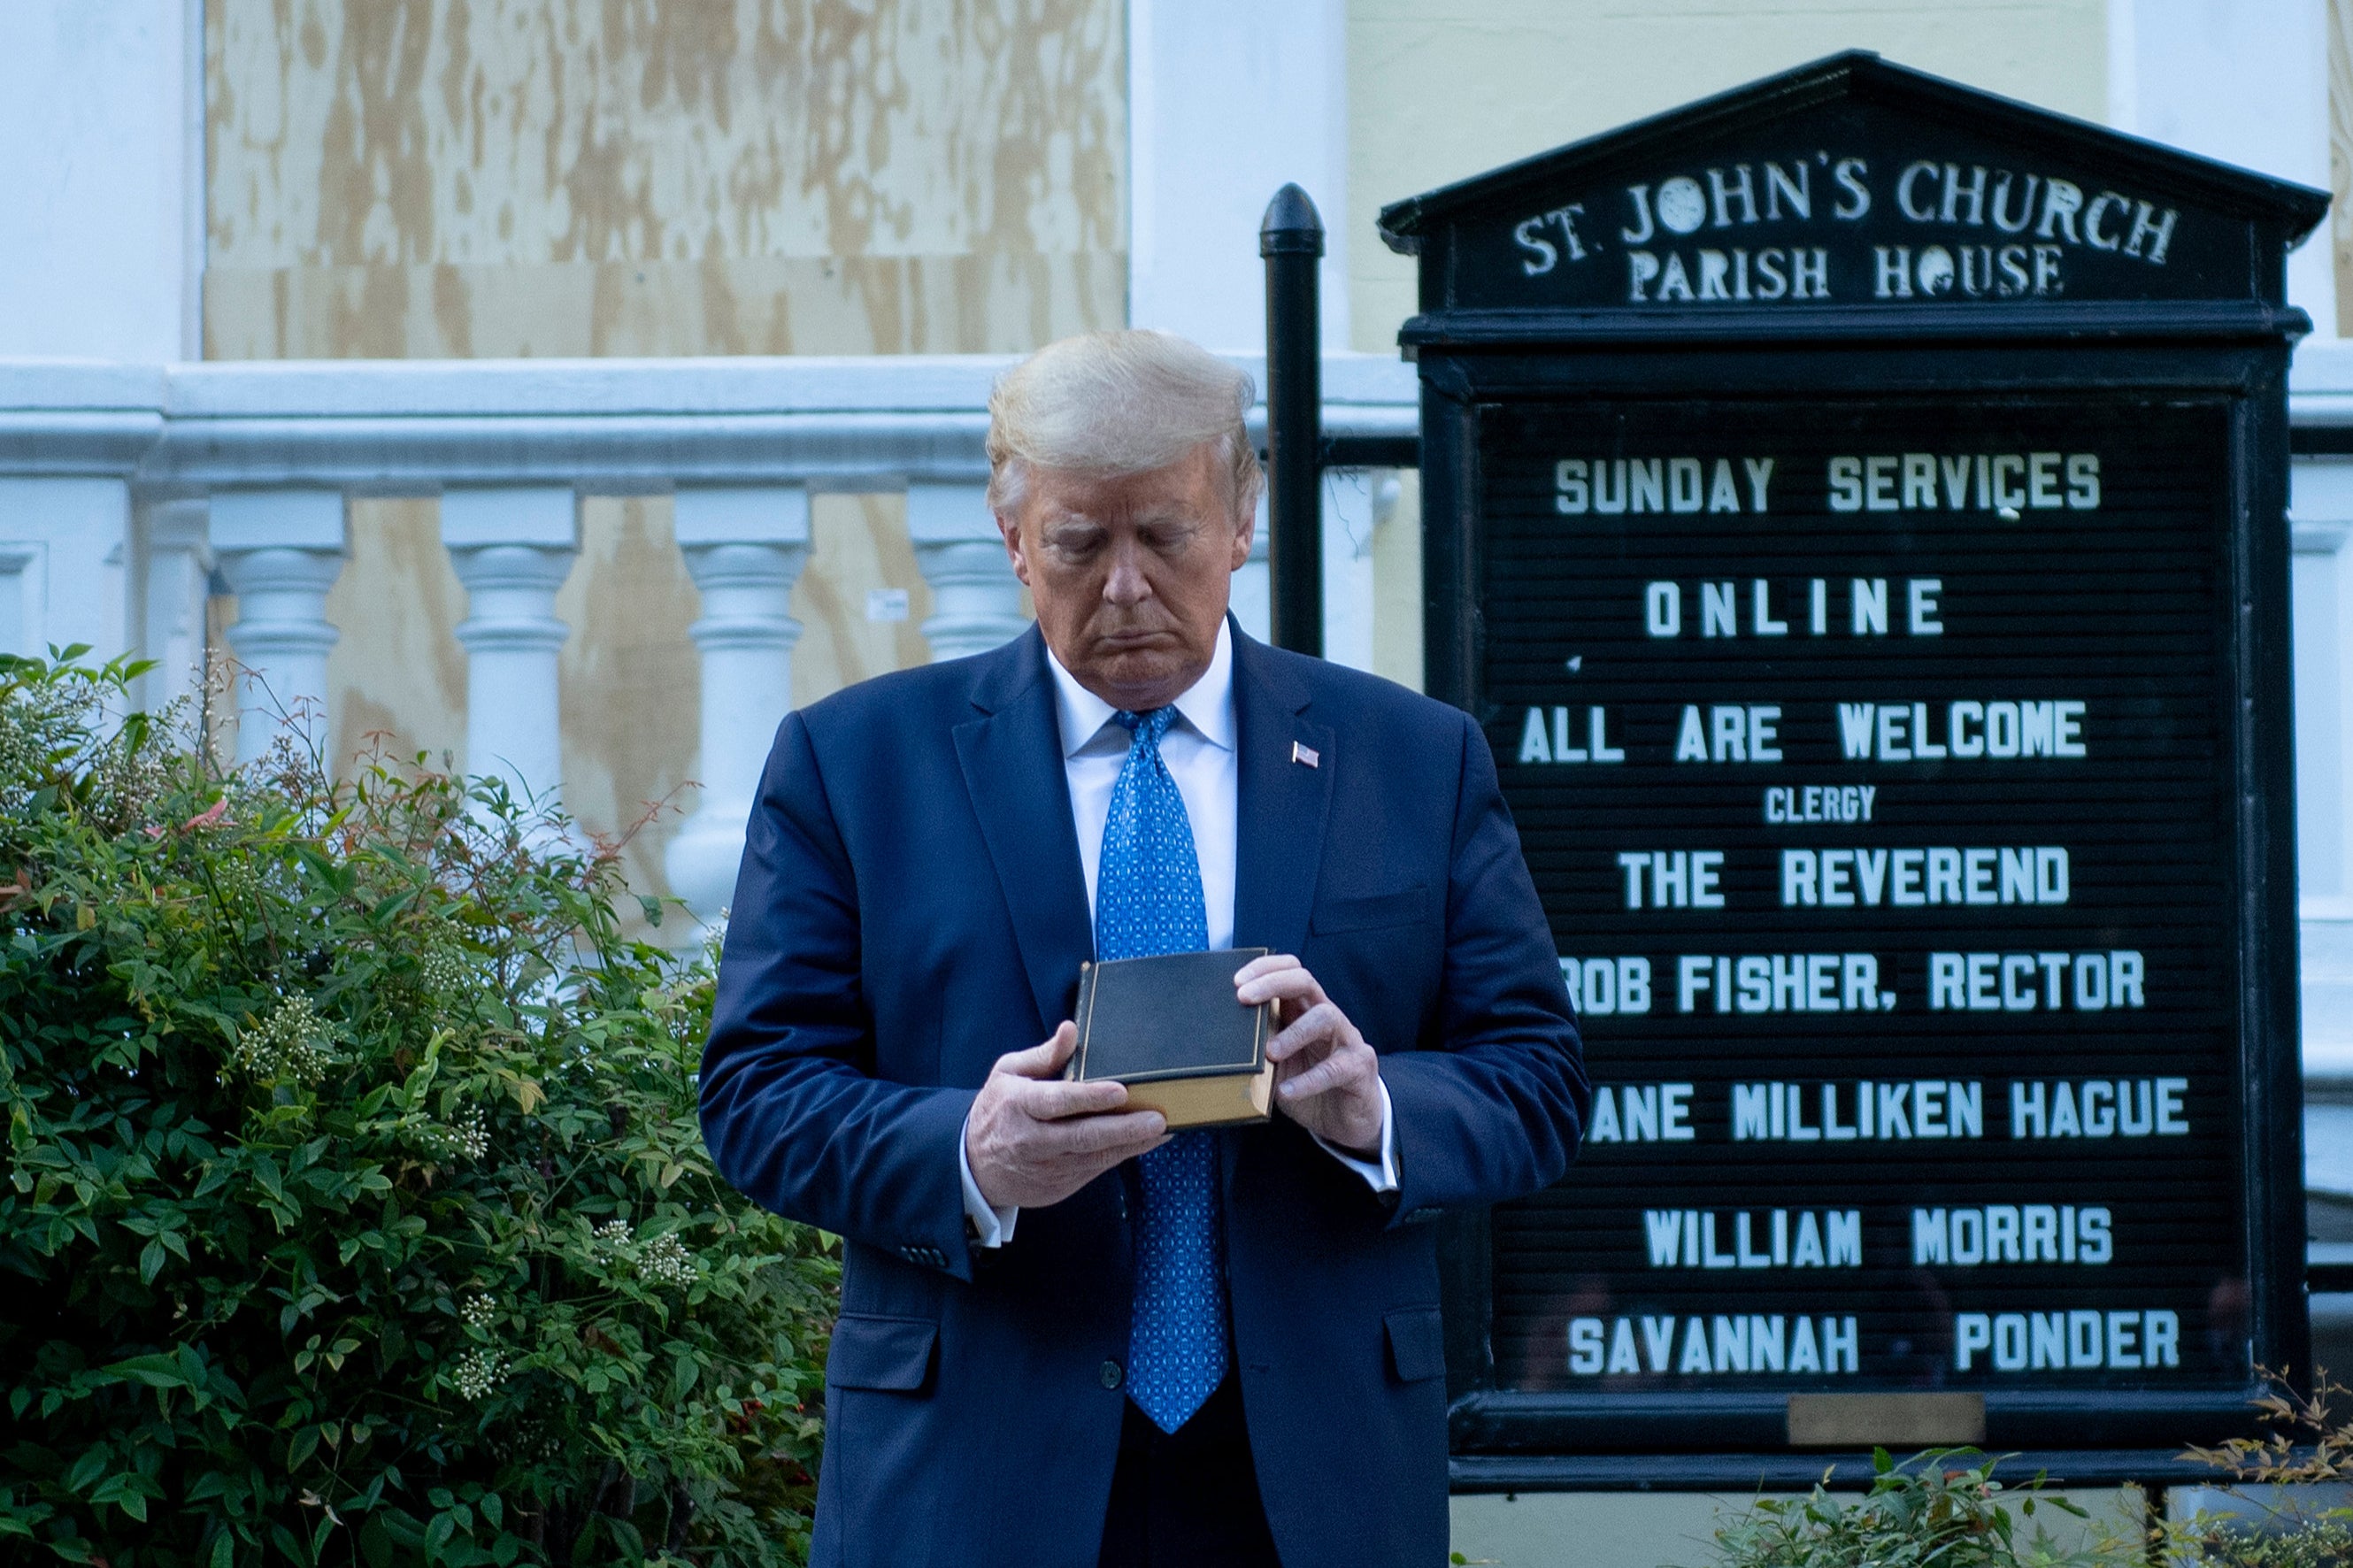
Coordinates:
(1206,706)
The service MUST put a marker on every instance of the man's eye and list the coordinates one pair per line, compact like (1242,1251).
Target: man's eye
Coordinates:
(1074,546)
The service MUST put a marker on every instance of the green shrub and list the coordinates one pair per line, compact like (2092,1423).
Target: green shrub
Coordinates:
(1945,1507)
(2306,1443)
(1941,1508)
(357,1208)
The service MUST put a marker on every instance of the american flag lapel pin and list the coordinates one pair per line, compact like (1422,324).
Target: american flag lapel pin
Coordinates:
(1307,755)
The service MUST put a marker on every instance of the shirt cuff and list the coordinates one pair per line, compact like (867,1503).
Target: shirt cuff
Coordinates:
(993,1226)
(1381,1178)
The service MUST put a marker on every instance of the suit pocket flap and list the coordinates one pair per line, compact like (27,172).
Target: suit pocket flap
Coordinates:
(1417,1343)
(881,1352)
(1403,906)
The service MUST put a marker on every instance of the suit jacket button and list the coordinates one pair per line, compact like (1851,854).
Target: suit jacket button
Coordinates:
(1111,1374)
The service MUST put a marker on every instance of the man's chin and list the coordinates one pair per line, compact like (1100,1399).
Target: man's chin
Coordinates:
(1149,675)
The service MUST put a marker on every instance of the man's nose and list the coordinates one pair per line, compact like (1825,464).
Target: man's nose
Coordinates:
(1127,584)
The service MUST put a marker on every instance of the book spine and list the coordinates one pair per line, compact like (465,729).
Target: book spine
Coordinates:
(1085,1009)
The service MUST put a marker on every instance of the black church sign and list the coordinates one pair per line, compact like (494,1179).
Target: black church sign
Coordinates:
(1855,505)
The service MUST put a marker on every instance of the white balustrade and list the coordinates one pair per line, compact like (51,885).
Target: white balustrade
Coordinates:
(512,547)
(976,598)
(63,549)
(241,472)
(280,550)
(745,546)
(178,580)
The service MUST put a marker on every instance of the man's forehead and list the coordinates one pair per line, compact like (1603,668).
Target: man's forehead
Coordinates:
(1101,507)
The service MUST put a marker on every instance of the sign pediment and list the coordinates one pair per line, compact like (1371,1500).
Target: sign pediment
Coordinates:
(1852,183)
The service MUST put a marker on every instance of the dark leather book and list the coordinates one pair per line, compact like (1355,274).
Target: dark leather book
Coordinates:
(1170,1029)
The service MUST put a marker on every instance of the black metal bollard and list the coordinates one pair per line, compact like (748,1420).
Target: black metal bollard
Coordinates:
(1291,238)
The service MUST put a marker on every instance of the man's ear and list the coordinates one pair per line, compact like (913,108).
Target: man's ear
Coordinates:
(1245,534)
(1011,529)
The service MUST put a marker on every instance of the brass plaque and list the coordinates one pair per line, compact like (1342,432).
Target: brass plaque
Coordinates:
(1889,1420)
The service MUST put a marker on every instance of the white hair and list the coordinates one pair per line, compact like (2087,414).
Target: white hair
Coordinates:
(1118,403)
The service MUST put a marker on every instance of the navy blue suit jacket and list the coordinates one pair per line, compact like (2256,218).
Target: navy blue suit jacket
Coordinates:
(912,907)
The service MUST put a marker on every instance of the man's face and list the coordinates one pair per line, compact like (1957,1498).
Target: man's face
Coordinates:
(1129,573)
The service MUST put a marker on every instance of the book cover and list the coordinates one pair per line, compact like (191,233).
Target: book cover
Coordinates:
(1169,1028)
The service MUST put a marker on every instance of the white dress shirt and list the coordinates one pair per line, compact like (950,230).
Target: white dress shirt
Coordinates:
(1199,749)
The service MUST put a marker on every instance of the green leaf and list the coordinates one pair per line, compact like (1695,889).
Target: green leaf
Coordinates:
(302,1446)
(388,908)
(89,1467)
(151,1258)
(129,1491)
(155,1371)
(319,865)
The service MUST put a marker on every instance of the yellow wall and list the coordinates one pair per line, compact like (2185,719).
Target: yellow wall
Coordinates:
(1442,90)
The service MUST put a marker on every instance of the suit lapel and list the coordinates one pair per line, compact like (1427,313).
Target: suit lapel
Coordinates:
(1282,800)
(1012,763)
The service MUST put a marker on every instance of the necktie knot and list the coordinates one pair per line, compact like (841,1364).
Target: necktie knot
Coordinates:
(1148,726)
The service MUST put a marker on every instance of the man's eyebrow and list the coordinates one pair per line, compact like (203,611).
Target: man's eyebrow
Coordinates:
(1175,511)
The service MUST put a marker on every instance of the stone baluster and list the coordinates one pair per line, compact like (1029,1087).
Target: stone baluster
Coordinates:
(179,564)
(745,548)
(512,547)
(976,598)
(279,551)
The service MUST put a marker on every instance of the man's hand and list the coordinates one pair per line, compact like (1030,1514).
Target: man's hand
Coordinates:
(1325,1077)
(1033,1139)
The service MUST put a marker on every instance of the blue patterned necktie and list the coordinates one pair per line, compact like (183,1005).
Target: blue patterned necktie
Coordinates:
(1148,900)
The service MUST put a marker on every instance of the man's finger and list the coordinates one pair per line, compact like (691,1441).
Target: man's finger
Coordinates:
(1324,1076)
(1052,1100)
(1265,963)
(1292,984)
(1320,1022)
(1125,1132)
(1043,1060)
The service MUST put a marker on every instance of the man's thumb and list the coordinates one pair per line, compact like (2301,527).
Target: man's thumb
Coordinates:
(1043,1060)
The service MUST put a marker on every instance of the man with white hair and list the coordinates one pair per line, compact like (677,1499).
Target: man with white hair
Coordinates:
(1067,1337)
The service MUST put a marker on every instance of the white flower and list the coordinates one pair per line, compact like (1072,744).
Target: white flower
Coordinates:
(466,1137)
(442,972)
(658,1259)
(664,1261)
(477,1372)
(287,1046)
(474,1131)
